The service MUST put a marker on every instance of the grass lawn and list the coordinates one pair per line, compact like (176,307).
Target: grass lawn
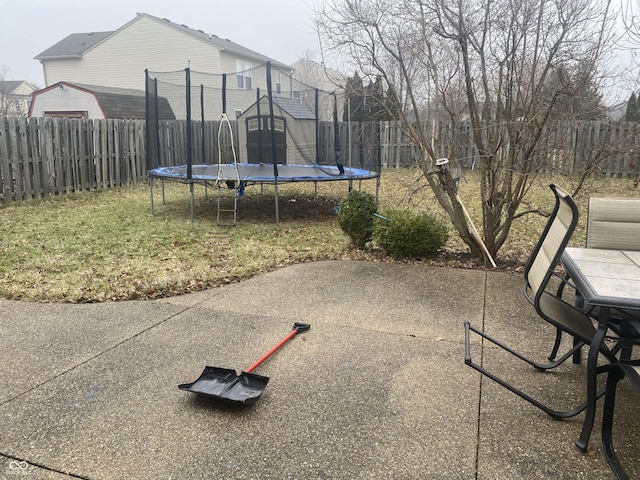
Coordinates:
(106,245)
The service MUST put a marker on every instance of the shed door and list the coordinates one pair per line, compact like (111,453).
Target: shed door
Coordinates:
(259,139)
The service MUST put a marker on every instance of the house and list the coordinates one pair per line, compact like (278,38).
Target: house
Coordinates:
(65,99)
(308,73)
(294,132)
(120,58)
(15,97)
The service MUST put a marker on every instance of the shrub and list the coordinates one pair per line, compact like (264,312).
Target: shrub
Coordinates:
(411,235)
(356,217)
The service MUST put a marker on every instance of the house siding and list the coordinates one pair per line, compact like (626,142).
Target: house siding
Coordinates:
(15,101)
(144,43)
(154,44)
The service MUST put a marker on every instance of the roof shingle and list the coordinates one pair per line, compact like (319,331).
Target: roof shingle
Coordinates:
(73,45)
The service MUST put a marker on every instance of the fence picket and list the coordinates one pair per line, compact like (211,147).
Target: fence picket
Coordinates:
(16,159)
(5,171)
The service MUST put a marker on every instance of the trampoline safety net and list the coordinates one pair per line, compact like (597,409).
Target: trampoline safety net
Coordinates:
(273,115)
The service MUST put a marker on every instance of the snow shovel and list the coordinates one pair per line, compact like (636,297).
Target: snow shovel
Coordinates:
(243,389)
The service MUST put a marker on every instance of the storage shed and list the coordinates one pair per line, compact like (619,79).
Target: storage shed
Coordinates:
(294,132)
(76,100)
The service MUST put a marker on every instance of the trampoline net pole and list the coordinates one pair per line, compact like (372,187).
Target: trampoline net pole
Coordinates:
(188,110)
(273,140)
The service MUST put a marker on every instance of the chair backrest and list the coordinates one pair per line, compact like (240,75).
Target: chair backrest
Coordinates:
(555,236)
(613,223)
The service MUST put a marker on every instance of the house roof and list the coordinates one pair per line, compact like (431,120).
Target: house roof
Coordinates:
(77,44)
(121,102)
(8,87)
(73,46)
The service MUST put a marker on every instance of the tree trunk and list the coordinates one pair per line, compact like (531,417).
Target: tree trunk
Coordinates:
(445,190)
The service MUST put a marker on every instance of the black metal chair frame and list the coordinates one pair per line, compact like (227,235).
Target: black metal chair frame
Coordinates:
(550,306)
(616,373)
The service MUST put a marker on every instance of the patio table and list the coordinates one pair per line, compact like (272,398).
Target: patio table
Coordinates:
(606,279)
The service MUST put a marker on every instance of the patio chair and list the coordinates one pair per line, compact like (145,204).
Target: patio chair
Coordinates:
(613,223)
(546,298)
(616,373)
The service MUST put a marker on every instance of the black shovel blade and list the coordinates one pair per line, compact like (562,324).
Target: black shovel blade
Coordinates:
(225,384)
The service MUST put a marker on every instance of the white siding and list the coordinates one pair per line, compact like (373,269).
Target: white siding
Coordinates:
(151,43)
(24,89)
(145,43)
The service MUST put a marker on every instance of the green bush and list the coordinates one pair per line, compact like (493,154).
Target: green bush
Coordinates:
(411,235)
(356,217)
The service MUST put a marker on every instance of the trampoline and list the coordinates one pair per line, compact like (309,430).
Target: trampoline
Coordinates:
(248,173)
(266,144)
(238,176)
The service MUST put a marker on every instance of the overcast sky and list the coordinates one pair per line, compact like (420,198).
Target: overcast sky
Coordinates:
(280,29)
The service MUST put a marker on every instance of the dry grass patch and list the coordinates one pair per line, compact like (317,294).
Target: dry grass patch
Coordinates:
(106,246)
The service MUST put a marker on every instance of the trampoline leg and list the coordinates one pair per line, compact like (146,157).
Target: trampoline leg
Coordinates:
(192,200)
(151,192)
(277,212)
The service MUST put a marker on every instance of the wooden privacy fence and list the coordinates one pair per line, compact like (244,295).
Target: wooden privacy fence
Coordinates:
(611,149)
(41,157)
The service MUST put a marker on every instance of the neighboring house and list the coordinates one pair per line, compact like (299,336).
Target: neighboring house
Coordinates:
(15,97)
(65,99)
(317,75)
(120,58)
(308,73)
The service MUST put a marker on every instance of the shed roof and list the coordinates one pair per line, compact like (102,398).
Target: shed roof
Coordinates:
(294,108)
(122,102)
(291,106)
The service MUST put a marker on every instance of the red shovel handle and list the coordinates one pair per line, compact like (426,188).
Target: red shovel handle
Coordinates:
(297,327)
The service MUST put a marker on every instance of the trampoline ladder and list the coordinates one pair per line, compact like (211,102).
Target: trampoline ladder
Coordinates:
(227,216)
(225,213)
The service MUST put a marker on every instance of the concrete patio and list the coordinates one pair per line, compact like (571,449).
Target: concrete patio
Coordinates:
(377,389)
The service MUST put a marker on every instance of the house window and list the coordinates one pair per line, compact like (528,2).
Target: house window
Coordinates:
(278,81)
(243,74)
(237,113)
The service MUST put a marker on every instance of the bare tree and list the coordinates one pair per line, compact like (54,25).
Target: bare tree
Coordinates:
(14,95)
(5,97)
(503,64)
(628,41)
